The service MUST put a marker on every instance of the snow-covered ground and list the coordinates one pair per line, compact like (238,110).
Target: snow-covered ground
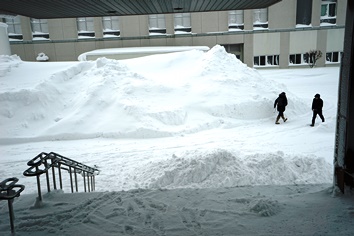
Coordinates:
(185,142)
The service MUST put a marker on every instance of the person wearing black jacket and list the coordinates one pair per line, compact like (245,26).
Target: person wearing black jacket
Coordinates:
(281,102)
(317,105)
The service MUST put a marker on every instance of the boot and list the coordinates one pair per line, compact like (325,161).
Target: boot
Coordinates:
(284,119)
(277,120)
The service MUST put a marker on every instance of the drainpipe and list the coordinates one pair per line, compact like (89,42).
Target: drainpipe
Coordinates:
(4,40)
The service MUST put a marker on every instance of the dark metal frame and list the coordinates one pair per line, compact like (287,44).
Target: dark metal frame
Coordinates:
(8,191)
(45,162)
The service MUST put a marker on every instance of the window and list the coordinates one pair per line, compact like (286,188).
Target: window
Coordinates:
(235,49)
(236,20)
(85,27)
(260,18)
(328,12)
(299,59)
(270,60)
(182,23)
(259,61)
(295,58)
(14,27)
(333,56)
(273,60)
(308,59)
(157,24)
(39,29)
(110,26)
(303,12)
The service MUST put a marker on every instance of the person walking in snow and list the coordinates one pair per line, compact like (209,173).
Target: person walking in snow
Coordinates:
(317,105)
(281,102)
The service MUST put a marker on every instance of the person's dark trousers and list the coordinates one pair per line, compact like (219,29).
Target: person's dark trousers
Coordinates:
(315,112)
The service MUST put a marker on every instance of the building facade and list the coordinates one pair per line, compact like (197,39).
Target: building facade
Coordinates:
(279,36)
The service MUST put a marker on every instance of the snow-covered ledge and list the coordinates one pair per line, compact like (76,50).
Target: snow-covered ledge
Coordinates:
(4,40)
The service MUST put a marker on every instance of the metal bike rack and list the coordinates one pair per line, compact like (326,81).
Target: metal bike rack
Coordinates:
(45,162)
(8,191)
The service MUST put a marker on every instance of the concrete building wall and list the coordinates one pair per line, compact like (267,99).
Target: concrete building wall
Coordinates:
(282,15)
(140,26)
(196,23)
(64,52)
(248,20)
(69,28)
(223,21)
(302,41)
(208,29)
(26,28)
(98,26)
(272,40)
(170,26)
(248,50)
(335,40)
(321,45)
(284,49)
(316,13)
(342,8)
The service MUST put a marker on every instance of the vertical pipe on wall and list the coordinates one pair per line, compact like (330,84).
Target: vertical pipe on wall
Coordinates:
(4,40)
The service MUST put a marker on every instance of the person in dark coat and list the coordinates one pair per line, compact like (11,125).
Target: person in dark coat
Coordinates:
(281,102)
(317,105)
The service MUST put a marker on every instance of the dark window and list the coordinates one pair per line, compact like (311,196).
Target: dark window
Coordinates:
(333,57)
(262,60)
(295,58)
(272,60)
(303,12)
(256,61)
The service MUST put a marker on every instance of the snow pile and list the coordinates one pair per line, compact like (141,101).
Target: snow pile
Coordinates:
(7,62)
(185,142)
(42,57)
(120,99)
(222,168)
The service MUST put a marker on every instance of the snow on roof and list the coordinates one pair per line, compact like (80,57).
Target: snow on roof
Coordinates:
(136,51)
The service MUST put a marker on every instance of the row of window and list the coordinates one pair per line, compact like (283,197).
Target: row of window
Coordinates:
(304,12)
(182,22)
(294,59)
(85,26)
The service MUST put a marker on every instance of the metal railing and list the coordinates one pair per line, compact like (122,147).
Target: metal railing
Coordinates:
(8,191)
(44,163)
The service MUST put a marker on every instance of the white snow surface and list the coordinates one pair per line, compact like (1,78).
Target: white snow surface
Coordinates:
(185,142)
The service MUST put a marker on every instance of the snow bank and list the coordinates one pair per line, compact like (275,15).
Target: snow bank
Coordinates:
(7,62)
(120,99)
(222,168)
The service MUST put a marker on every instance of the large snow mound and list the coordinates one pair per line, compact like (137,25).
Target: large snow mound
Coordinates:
(136,99)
